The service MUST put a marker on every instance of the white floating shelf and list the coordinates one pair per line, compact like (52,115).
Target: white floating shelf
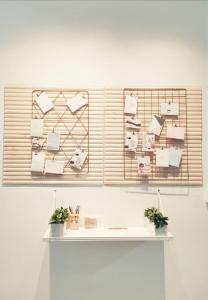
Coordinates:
(106,234)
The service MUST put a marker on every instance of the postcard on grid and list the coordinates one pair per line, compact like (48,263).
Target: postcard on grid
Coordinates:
(53,141)
(156,125)
(77,102)
(174,132)
(132,123)
(38,162)
(54,167)
(37,143)
(78,159)
(175,156)
(130,106)
(36,128)
(44,102)
(169,109)
(148,142)
(162,157)
(131,141)
(143,165)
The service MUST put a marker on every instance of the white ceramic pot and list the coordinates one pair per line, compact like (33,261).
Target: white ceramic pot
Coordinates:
(161,230)
(57,230)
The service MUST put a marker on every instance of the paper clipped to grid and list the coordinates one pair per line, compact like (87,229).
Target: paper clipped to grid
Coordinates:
(53,141)
(77,102)
(54,167)
(169,109)
(174,132)
(38,162)
(36,128)
(78,159)
(44,102)
(130,106)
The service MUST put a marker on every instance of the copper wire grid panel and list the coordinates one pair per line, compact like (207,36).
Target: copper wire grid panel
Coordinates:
(72,127)
(148,105)
(121,167)
(84,130)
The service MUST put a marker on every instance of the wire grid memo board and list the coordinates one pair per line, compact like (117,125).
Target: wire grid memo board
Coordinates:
(121,166)
(72,127)
(85,130)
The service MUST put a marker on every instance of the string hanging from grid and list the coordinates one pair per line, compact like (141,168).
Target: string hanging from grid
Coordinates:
(148,105)
(62,119)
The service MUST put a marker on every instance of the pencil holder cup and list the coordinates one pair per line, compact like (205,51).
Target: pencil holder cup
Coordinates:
(73,221)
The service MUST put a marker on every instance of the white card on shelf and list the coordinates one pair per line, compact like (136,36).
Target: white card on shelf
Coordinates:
(144,167)
(148,142)
(132,123)
(54,167)
(131,141)
(77,102)
(38,162)
(156,125)
(78,159)
(44,102)
(130,105)
(53,141)
(174,132)
(175,156)
(36,128)
(162,158)
(169,109)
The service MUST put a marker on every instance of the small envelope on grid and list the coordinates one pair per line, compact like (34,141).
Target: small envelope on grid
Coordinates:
(156,125)
(148,142)
(37,143)
(36,128)
(132,123)
(53,141)
(174,132)
(54,167)
(169,109)
(144,167)
(78,159)
(131,141)
(130,106)
(175,156)
(38,162)
(44,102)
(77,102)
(162,158)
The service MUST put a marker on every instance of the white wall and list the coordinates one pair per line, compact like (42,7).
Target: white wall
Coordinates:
(111,44)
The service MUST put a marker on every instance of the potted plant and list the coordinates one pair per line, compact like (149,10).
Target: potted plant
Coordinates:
(57,221)
(160,221)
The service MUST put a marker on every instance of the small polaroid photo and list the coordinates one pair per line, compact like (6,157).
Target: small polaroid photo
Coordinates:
(144,167)
(37,143)
(148,142)
(36,128)
(175,156)
(130,106)
(77,102)
(156,125)
(131,141)
(175,132)
(169,109)
(53,141)
(54,167)
(44,102)
(38,162)
(132,123)
(78,159)
(162,158)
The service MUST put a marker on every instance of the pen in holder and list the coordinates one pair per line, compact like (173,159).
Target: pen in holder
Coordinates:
(74,218)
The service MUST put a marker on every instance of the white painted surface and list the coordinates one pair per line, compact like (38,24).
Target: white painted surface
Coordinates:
(103,44)
(106,234)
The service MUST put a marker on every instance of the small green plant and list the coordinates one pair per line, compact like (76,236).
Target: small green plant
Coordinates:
(59,216)
(156,217)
